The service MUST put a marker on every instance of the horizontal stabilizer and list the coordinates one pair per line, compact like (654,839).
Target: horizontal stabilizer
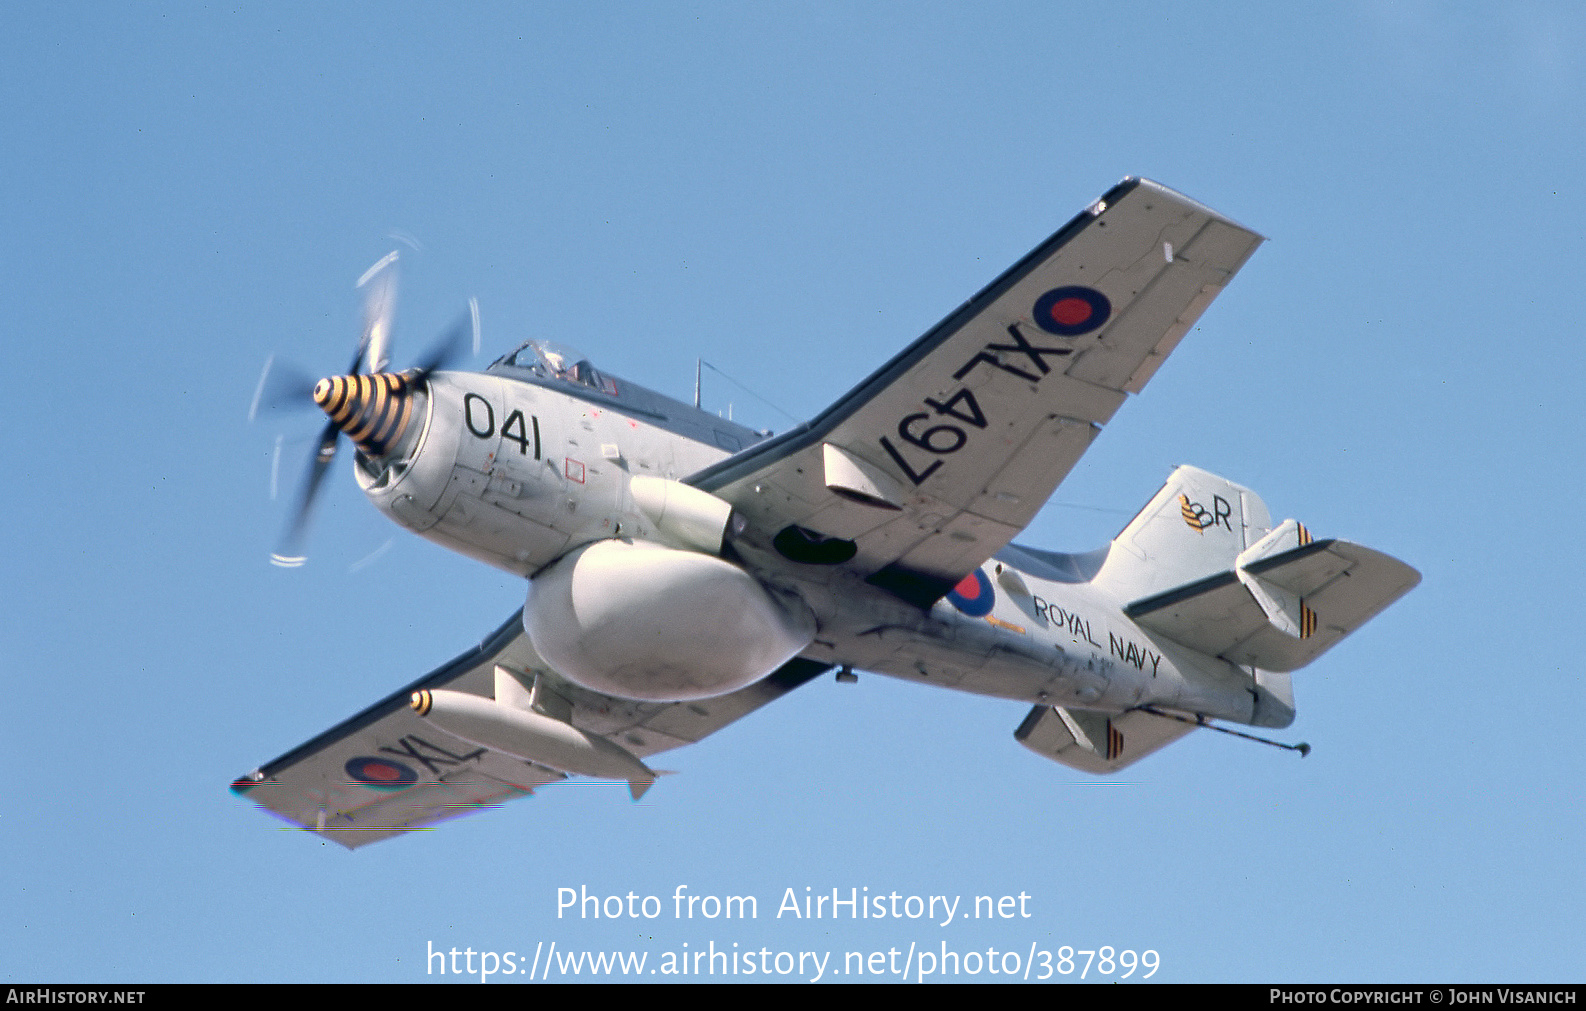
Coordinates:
(1096,742)
(1281,606)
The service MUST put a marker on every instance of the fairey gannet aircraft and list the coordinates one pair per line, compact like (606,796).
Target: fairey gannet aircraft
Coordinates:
(683,570)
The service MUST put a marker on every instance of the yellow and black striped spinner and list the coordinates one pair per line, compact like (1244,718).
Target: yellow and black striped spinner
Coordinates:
(420,702)
(373,410)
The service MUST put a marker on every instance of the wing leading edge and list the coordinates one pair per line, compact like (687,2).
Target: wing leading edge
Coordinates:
(936,461)
(387,770)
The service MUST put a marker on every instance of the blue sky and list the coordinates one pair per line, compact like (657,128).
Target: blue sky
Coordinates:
(793,192)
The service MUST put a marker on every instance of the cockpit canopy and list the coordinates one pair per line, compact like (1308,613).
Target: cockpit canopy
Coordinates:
(558,361)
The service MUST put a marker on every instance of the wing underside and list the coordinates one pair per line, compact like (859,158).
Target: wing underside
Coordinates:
(387,771)
(931,465)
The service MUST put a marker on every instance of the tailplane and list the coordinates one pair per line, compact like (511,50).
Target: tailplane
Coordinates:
(1202,565)
(1097,743)
(1285,601)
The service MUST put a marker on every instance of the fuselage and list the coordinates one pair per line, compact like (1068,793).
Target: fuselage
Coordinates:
(533,459)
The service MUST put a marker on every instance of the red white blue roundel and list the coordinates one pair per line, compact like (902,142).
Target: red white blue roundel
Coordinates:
(973,595)
(1072,310)
(381,773)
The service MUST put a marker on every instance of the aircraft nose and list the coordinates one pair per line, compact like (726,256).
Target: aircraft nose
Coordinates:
(373,410)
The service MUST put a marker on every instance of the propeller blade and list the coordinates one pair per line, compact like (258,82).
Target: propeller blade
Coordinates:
(450,347)
(289,554)
(282,384)
(379,304)
(286,385)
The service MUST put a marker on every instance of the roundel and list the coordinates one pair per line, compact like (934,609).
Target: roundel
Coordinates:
(973,595)
(1072,310)
(381,773)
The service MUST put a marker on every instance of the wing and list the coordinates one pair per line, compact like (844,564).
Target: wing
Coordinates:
(935,462)
(387,771)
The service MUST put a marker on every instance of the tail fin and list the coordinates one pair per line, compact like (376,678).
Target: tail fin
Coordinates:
(1193,528)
